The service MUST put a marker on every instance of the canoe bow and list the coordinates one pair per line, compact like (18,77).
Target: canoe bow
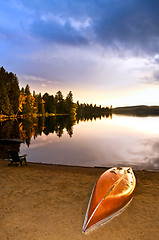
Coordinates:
(110,195)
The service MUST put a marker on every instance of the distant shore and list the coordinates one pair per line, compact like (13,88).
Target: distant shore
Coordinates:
(48,202)
(140,110)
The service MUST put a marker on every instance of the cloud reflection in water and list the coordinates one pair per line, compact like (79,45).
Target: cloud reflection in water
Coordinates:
(126,141)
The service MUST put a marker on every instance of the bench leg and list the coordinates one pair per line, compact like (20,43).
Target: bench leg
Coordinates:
(24,161)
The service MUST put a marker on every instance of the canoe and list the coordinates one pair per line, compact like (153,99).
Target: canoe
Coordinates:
(110,195)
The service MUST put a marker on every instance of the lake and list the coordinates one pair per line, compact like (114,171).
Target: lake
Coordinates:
(102,142)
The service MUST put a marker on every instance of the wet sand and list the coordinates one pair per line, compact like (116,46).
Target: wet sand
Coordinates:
(44,202)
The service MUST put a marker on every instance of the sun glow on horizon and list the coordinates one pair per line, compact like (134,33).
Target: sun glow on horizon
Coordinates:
(147,95)
(144,125)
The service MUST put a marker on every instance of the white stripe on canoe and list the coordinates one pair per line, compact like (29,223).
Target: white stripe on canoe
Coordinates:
(115,184)
(110,217)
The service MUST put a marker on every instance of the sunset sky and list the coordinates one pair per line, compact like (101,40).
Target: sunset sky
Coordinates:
(105,51)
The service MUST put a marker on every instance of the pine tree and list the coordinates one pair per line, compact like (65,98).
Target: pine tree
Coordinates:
(29,102)
(5,106)
(26,105)
(46,99)
(13,91)
(70,106)
(59,103)
(52,106)
(40,102)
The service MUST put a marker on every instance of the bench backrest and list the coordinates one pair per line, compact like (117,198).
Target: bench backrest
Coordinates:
(14,155)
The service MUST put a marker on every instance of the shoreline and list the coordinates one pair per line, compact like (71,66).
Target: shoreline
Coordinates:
(45,202)
(77,166)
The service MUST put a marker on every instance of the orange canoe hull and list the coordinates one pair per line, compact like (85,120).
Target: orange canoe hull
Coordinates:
(112,192)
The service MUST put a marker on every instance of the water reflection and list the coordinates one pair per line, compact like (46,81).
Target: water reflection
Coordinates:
(32,127)
(104,142)
(27,128)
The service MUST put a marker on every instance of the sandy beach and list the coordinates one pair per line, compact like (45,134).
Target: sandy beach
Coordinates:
(48,202)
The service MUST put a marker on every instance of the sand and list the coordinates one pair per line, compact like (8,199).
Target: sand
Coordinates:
(44,202)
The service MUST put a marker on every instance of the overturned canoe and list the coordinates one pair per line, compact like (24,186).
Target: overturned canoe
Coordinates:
(110,195)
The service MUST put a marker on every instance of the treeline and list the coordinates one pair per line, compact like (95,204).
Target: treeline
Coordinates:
(87,111)
(38,104)
(21,102)
(9,93)
(16,101)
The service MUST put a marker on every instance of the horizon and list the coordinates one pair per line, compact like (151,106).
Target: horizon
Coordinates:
(105,52)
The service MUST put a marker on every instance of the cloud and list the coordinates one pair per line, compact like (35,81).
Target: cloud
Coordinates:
(57,32)
(32,78)
(156,75)
(156,58)
(120,25)
(37,83)
(131,25)
(126,27)
(100,43)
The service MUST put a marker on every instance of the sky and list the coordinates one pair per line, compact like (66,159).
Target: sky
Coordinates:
(104,51)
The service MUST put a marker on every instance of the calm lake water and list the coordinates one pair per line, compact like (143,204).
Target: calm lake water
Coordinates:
(105,142)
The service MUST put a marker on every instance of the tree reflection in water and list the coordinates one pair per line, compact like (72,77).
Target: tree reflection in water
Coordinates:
(27,128)
(33,127)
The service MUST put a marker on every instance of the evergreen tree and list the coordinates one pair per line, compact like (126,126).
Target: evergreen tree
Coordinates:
(26,105)
(40,103)
(70,106)
(30,104)
(22,90)
(27,90)
(22,99)
(59,103)
(13,91)
(49,103)
(5,106)
(52,107)
(45,98)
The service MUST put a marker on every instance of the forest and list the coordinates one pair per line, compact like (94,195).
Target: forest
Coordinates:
(16,102)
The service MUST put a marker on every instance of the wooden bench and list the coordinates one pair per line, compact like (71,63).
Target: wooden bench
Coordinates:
(16,159)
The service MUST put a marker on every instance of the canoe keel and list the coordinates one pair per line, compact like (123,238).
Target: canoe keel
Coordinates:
(110,196)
